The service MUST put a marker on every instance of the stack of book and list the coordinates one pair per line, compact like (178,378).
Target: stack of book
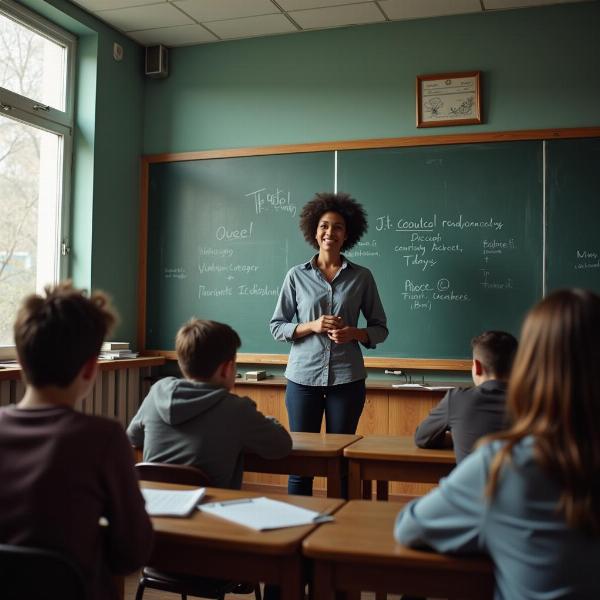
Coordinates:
(115,350)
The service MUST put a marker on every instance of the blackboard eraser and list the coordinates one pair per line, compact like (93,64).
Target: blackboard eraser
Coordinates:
(255,375)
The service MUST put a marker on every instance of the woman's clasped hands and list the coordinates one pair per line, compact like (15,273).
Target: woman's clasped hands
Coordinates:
(335,328)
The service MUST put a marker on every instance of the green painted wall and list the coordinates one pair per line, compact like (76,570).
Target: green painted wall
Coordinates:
(541,68)
(107,146)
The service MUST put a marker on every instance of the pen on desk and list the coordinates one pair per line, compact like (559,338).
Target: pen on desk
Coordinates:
(241,501)
(389,372)
(323,518)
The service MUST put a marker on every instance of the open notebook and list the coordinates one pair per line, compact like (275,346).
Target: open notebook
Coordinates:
(171,503)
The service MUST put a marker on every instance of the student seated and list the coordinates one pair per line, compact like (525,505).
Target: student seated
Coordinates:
(529,497)
(61,472)
(197,420)
(470,413)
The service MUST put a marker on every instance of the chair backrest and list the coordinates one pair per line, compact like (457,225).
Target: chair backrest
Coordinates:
(169,473)
(28,573)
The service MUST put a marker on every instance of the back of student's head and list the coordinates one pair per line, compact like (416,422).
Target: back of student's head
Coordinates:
(58,332)
(554,396)
(203,345)
(495,350)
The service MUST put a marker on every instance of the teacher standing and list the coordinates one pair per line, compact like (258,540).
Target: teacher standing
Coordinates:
(325,296)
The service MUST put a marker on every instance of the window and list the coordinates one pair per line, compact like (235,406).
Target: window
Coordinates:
(36,119)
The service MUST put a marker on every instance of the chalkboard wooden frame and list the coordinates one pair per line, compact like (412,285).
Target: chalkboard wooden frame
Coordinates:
(412,141)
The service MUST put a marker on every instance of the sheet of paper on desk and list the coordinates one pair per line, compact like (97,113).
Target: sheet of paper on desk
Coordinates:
(171,503)
(408,385)
(420,386)
(264,513)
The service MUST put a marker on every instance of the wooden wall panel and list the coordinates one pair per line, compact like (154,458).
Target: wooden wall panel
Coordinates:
(374,419)
(406,412)
(271,402)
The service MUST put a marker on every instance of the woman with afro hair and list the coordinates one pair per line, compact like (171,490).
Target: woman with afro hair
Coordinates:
(317,312)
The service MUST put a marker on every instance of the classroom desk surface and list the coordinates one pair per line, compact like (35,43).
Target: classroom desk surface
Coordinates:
(393,458)
(357,552)
(207,545)
(313,454)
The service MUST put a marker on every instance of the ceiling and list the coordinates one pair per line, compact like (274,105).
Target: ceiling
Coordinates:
(185,22)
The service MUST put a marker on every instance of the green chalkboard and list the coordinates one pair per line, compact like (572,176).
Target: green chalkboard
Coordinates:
(573,197)
(454,241)
(222,234)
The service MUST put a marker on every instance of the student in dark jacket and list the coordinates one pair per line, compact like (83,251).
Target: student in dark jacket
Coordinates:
(470,413)
(63,472)
(197,420)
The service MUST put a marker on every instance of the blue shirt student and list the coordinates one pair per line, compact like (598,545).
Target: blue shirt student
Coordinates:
(316,360)
(536,555)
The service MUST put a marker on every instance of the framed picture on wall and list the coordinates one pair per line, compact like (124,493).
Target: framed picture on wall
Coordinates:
(449,99)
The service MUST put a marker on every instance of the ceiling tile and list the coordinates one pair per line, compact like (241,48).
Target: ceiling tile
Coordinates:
(499,4)
(420,9)
(213,10)
(173,36)
(303,4)
(93,5)
(144,17)
(251,26)
(338,16)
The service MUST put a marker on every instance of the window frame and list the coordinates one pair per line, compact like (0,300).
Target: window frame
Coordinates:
(61,122)
(23,106)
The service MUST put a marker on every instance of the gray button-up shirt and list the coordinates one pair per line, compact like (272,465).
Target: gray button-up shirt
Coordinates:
(305,296)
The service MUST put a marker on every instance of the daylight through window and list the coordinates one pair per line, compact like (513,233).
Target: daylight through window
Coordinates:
(35,146)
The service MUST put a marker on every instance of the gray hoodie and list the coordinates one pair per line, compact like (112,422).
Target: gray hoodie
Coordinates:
(201,424)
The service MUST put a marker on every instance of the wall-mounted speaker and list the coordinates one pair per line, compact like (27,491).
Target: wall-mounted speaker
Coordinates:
(157,61)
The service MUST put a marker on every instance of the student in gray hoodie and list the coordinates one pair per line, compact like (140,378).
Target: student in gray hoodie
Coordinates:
(197,420)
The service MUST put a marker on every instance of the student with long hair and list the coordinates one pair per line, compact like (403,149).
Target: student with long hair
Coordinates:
(529,497)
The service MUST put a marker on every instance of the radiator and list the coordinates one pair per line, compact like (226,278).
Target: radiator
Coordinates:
(117,393)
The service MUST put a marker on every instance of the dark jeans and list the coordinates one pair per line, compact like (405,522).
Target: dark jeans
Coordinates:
(342,405)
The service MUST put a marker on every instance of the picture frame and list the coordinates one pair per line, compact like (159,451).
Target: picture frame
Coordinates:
(449,99)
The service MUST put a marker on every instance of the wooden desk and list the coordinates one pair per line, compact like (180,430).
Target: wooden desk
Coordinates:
(313,454)
(393,458)
(357,552)
(213,547)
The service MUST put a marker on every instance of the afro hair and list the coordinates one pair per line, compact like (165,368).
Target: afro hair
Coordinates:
(353,213)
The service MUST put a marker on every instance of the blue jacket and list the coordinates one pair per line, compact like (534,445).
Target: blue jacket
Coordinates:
(536,555)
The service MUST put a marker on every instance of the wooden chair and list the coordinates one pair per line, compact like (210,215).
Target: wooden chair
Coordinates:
(180,584)
(28,573)
(169,473)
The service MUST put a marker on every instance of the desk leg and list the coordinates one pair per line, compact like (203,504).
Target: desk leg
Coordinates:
(382,490)
(354,487)
(322,587)
(334,478)
(119,581)
(292,582)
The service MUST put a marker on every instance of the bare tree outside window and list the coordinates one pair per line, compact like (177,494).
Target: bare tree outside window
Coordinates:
(31,66)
